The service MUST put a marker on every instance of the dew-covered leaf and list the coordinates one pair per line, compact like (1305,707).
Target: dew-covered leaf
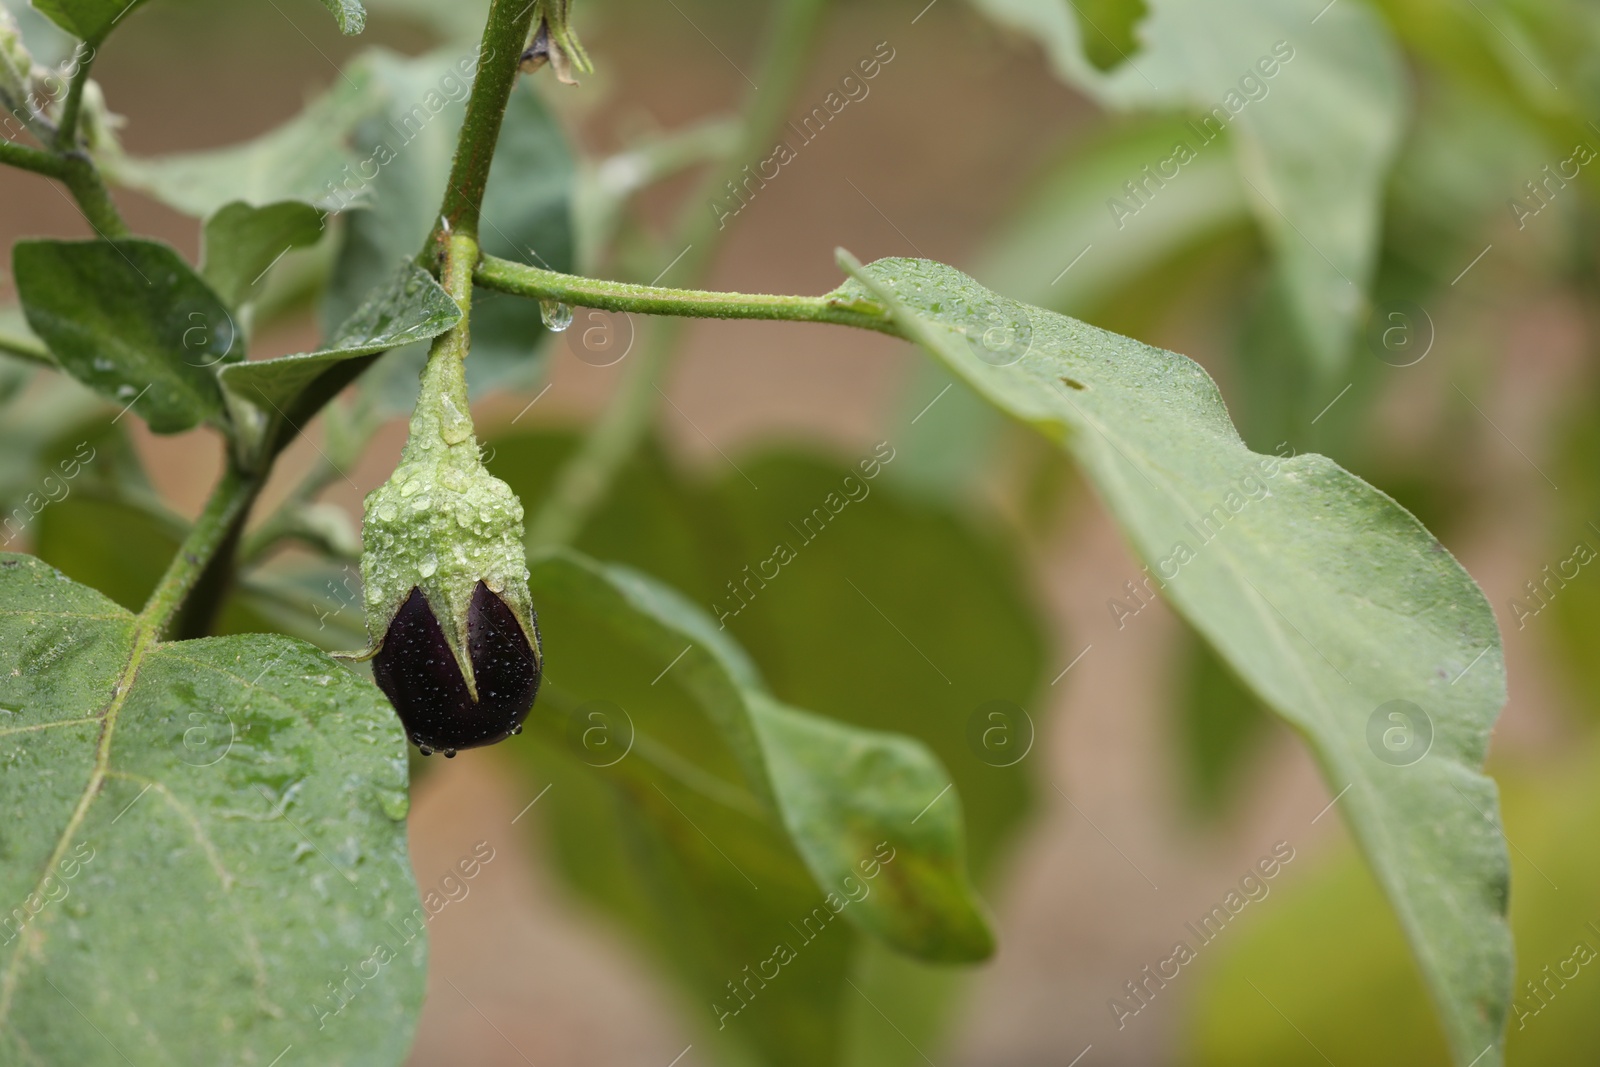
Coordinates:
(223,815)
(132,321)
(274,399)
(410,307)
(1333,603)
(351,16)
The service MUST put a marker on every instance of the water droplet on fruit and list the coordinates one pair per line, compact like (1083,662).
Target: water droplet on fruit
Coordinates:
(454,425)
(556,315)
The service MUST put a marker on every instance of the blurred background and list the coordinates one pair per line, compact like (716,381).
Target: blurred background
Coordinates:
(1446,168)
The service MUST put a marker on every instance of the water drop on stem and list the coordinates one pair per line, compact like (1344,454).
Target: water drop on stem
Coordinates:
(556,315)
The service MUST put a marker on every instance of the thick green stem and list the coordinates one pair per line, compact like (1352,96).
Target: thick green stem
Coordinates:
(519,280)
(505,35)
(216,529)
(586,477)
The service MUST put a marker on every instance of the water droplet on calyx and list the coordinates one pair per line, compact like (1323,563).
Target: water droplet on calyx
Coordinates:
(556,315)
(455,426)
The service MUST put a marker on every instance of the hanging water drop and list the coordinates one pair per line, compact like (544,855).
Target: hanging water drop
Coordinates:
(556,315)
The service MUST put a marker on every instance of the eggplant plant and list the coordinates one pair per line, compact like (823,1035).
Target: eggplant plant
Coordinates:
(213,741)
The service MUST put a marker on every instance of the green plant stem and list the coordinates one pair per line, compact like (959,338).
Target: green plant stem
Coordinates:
(67,132)
(520,280)
(200,555)
(25,348)
(585,478)
(79,174)
(505,35)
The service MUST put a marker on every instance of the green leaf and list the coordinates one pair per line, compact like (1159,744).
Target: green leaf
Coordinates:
(351,16)
(308,158)
(242,243)
(129,319)
(697,534)
(1313,140)
(1066,213)
(526,212)
(91,20)
(1321,593)
(1219,726)
(837,789)
(252,780)
(1551,801)
(411,307)
(1107,29)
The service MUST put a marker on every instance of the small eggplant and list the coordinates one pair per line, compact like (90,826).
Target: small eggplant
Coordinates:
(418,673)
(452,631)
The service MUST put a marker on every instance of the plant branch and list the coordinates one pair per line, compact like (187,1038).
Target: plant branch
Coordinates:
(520,280)
(505,35)
(77,172)
(67,131)
(26,348)
(585,478)
(201,553)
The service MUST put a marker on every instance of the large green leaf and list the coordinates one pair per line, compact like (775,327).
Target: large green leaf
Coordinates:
(88,19)
(719,823)
(837,790)
(129,319)
(242,243)
(1335,605)
(253,780)
(698,534)
(1313,111)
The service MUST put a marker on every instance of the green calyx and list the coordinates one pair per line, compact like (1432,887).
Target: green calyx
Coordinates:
(556,43)
(442,523)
